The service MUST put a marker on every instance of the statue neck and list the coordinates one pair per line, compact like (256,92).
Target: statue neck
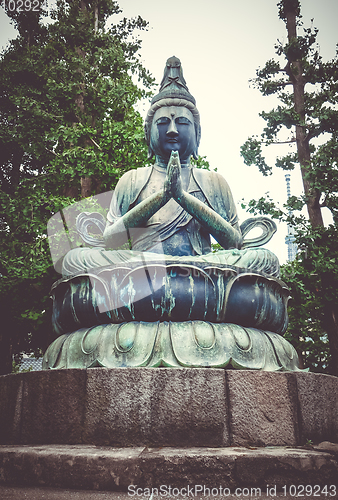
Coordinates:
(161,162)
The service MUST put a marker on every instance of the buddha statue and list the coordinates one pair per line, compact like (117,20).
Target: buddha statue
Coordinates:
(173,208)
(153,279)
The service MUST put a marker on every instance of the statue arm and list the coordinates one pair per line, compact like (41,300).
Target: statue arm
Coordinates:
(116,234)
(226,235)
(223,232)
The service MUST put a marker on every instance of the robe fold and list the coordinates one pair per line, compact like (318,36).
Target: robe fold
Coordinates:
(171,232)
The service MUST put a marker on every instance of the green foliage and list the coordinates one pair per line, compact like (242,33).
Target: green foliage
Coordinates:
(300,47)
(307,88)
(74,95)
(320,115)
(67,96)
(313,281)
(16,368)
(202,163)
(251,152)
(265,205)
(287,162)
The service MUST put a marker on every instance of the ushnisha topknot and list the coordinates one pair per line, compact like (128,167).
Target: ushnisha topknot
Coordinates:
(173,92)
(173,84)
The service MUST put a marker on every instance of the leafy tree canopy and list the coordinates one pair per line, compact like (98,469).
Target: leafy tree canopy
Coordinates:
(307,88)
(68,129)
(307,119)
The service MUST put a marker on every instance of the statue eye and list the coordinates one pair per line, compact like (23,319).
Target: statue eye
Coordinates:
(163,120)
(183,120)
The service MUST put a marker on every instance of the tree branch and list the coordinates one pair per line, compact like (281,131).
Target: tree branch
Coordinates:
(280,142)
(95,143)
(52,152)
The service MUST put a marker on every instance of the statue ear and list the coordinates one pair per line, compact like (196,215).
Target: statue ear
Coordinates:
(147,138)
(150,152)
(198,138)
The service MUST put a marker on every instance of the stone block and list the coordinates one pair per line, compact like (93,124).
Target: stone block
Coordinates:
(11,395)
(318,403)
(156,407)
(53,406)
(262,408)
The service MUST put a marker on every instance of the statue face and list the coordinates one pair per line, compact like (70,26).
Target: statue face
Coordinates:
(173,130)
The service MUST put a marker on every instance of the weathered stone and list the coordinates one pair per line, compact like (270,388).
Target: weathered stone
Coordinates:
(167,407)
(158,407)
(327,446)
(318,403)
(21,493)
(11,394)
(48,407)
(285,466)
(95,468)
(262,408)
(53,407)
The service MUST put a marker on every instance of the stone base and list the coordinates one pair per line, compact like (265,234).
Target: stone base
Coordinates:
(107,430)
(155,407)
(240,472)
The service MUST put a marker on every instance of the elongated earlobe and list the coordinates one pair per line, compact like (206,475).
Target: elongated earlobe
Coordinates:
(150,153)
(198,138)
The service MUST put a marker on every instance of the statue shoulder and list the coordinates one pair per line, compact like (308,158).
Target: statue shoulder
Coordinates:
(134,176)
(129,186)
(210,179)
(218,194)
(133,181)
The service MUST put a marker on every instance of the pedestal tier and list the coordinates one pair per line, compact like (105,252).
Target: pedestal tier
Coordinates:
(157,291)
(187,344)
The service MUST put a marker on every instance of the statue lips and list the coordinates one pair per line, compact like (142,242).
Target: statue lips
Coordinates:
(173,143)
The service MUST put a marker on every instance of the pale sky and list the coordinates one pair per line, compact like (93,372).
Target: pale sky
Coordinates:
(221,43)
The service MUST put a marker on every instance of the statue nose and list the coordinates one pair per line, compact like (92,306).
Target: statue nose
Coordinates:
(172,130)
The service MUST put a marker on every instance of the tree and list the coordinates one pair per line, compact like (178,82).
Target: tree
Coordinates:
(307,89)
(68,129)
(313,282)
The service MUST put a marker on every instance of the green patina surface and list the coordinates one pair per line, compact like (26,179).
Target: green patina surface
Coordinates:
(173,344)
(169,300)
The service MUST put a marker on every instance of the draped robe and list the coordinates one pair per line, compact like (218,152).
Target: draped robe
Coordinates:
(171,232)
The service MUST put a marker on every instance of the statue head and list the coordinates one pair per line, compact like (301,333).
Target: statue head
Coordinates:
(173,109)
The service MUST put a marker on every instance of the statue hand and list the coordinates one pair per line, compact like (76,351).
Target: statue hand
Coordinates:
(173,180)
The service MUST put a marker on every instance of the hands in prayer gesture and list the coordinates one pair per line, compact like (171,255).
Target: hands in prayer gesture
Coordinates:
(173,182)
(223,232)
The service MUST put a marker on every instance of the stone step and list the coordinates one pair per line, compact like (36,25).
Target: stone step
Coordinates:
(213,472)
(41,493)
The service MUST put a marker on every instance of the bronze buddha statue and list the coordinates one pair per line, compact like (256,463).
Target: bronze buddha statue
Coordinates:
(153,272)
